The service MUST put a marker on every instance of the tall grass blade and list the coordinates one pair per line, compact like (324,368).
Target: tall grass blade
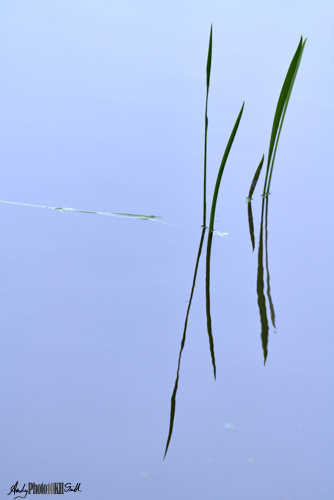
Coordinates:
(208,63)
(281,108)
(255,179)
(173,398)
(221,169)
(208,73)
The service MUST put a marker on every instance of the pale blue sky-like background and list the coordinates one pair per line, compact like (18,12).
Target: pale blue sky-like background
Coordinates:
(102,108)
(90,86)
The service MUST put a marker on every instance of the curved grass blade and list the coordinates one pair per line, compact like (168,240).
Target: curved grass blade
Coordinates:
(208,73)
(173,398)
(255,179)
(281,108)
(222,166)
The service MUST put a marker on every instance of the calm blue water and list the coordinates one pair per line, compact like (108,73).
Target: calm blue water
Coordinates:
(103,110)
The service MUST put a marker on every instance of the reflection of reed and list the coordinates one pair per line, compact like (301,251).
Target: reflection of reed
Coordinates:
(250,224)
(173,398)
(261,300)
(260,283)
(207,289)
(271,305)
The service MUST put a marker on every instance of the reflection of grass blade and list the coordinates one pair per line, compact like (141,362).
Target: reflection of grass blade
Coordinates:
(208,73)
(251,225)
(261,300)
(59,209)
(271,304)
(281,108)
(222,166)
(255,179)
(173,399)
(208,313)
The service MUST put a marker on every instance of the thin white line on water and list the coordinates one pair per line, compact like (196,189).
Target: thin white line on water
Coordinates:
(153,218)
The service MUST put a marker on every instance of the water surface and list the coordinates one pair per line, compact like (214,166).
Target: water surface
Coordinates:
(104,112)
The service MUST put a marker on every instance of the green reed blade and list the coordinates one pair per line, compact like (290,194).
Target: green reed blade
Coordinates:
(208,73)
(255,179)
(222,166)
(281,108)
(208,64)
